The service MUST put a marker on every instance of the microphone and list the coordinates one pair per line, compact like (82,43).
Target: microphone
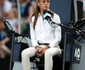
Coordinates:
(7,25)
(48,17)
(8,28)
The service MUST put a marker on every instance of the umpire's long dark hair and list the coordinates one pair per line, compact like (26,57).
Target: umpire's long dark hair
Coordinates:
(36,13)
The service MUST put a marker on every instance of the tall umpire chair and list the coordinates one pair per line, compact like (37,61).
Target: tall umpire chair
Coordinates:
(61,62)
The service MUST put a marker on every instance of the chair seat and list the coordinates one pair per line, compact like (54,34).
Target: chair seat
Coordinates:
(57,61)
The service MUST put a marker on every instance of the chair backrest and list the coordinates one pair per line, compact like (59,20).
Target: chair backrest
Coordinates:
(64,30)
(66,43)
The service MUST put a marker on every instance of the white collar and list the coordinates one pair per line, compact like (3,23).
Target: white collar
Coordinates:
(39,15)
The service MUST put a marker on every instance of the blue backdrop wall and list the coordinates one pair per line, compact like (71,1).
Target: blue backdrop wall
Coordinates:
(62,8)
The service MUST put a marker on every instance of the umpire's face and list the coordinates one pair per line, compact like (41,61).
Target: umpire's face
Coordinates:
(43,4)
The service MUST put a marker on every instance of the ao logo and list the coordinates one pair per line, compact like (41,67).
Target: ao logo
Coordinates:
(77,53)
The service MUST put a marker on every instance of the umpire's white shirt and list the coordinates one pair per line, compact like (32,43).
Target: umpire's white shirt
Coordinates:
(44,33)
